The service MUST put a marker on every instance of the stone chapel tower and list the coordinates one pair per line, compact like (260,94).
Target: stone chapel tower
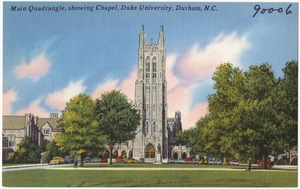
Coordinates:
(151,141)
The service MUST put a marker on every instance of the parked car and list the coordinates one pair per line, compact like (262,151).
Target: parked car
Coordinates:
(142,160)
(87,160)
(119,159)
(180,160)
(188,160)
(195,160)
(130,160)
(95,160)
(260,163)
(233,162)
(210,161)
(57,160)
(218,162)
(203,160)
(68,159)
(103,160)
(172,160)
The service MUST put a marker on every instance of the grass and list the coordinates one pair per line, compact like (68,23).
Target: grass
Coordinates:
(149,178)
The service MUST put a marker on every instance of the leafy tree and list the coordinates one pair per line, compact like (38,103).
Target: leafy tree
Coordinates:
(189,138)
(80,135)
(289,103)
(223,132)
(28,151)
(259,113)
(52,150)
(117,118)
(251,113)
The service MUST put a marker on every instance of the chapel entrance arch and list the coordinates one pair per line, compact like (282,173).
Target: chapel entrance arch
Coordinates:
(150,151)
(175,155)
(123,154)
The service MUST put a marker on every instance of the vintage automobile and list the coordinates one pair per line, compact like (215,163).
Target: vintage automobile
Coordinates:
(57,160)
(68,159)
(172,160)
(195,160)
(130,160)
(87,160)
(234,162)
(103,160)
(218,162)
(260,163)
(179,160)
(119,159)
(188,160)
(142,160)
(95,160)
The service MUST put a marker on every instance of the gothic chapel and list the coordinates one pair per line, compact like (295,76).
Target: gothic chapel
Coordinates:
(155,138)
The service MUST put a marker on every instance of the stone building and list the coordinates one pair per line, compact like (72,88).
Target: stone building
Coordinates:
(155,139)
(16,128)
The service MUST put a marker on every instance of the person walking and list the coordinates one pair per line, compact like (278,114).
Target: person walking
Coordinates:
(249,165)
(75,162)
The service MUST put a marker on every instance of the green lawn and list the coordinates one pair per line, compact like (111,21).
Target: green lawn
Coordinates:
(149,178)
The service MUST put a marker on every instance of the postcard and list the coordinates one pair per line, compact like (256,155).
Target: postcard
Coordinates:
(211,89)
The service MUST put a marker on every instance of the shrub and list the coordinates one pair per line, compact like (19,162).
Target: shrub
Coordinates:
(28,151)
(294,161)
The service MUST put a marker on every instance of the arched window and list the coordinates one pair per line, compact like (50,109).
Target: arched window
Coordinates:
(115,154)
(106,153)
(149,151)
(147,128)
(153,127)
(183,155)
(123,154)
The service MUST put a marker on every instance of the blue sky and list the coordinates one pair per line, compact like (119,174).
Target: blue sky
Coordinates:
(48,56)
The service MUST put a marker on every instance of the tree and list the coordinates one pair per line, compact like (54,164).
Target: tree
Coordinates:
(258,112)
(251,113)
(52,150)
(189,138)
(28,151)
(80,133)
(117,118)
(289,103)
(222,132)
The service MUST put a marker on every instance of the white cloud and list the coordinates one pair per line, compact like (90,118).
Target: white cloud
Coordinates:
(195,68)
(198,63)
(57,100)
(34,108)
(105,87)
(127,86)
(34,70)
(8,98)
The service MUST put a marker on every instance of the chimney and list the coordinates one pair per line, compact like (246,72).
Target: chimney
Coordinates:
(53,115)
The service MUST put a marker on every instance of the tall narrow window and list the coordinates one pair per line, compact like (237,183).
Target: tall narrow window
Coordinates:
(153,127)
(147,128)
(148,67)
(154,68)
(11,140)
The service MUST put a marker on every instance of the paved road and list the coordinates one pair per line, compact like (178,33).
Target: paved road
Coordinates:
(30,167)
(70,167)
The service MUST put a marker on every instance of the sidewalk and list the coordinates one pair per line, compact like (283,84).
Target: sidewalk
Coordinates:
(26,165)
